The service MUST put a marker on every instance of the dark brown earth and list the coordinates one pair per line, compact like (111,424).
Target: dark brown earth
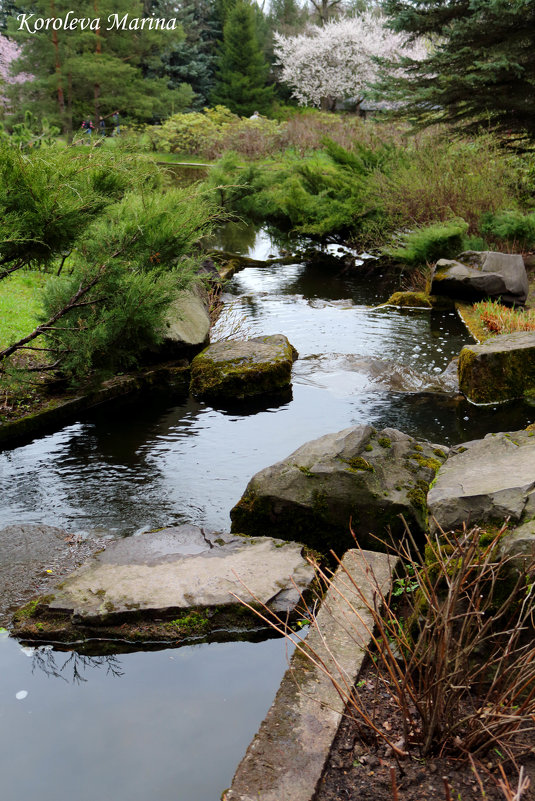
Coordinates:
(360,768)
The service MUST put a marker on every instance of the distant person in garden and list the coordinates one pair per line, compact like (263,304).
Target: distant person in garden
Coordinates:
(115,118)
(255,116)
(102,126)
(87,127)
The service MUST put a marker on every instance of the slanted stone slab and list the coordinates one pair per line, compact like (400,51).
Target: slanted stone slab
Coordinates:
(241,369)
(477,275)
(359,474)
(287,757)
(167,585)
(500,369)
(486,481)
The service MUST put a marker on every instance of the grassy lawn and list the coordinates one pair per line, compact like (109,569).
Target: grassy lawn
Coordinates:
(20,295)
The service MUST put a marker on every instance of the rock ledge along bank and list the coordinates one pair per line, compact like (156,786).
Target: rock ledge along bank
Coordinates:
(359,474)
(169,585)
(287,757)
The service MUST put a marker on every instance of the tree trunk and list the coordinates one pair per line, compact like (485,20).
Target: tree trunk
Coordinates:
(59,76)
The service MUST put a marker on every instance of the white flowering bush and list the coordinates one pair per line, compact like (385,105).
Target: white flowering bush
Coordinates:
(337,60)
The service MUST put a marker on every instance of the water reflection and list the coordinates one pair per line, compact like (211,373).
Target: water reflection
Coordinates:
(73,667)
(170,725)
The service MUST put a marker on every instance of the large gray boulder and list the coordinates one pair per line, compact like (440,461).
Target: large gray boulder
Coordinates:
(500,369)
(241,369)
(477,275)
(170,584)
(187,323)
(486,481)
(357,475)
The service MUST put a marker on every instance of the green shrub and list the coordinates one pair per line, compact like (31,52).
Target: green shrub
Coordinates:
(434,179)
(138,256)
(510,226)
(431,243)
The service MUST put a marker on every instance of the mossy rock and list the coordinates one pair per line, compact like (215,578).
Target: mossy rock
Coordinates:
(242,369)
(357,476)
(417,300)
(500,369)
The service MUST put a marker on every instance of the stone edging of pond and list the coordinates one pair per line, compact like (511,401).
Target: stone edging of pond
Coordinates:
(287,757)
(62,409)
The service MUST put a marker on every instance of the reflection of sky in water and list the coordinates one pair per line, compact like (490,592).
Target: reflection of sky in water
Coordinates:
(159,724)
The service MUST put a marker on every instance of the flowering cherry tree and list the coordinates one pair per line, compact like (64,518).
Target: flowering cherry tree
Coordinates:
(9,51)
(336,60)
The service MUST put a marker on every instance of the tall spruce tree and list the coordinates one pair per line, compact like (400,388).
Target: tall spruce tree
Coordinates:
(193,59)
(480,69)
(242,75)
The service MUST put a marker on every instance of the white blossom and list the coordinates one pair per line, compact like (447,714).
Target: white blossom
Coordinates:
(336,60)
(9,52)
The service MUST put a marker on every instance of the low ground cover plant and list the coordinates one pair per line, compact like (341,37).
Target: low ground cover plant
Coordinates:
(381,184)
(500,319)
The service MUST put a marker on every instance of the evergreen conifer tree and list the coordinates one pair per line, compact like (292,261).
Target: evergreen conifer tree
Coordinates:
(192,60)
(92,72)
(241,79)
(480,68)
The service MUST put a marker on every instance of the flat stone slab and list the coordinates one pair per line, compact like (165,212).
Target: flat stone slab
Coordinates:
(476,275)
(32,559)
(499,369)
(241,369)
(286,759)
(170,584)
(486,481)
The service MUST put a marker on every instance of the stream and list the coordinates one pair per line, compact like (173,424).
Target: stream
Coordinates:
(173,724)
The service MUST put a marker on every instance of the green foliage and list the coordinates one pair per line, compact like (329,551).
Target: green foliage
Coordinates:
(435,179)
(48,201)
(480,69)
(215,131)
(32,133)
(242,74)
(510,226)
(191,60)
(140,253)
(423,245)
(323,194)
(127,315)
(125,247)
(91,73)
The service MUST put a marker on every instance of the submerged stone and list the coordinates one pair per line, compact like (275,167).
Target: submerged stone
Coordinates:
(358,476)
(500,369)
(241,369)
(171,584)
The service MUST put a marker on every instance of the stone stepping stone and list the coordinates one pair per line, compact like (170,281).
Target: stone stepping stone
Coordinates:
(235,370)
(171,584)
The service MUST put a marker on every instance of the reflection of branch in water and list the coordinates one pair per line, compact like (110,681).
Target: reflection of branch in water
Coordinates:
(47,660)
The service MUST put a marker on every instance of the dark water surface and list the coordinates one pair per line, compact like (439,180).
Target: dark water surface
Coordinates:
(175,724)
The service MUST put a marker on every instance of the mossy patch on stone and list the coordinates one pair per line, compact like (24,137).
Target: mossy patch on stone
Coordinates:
(409,299)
